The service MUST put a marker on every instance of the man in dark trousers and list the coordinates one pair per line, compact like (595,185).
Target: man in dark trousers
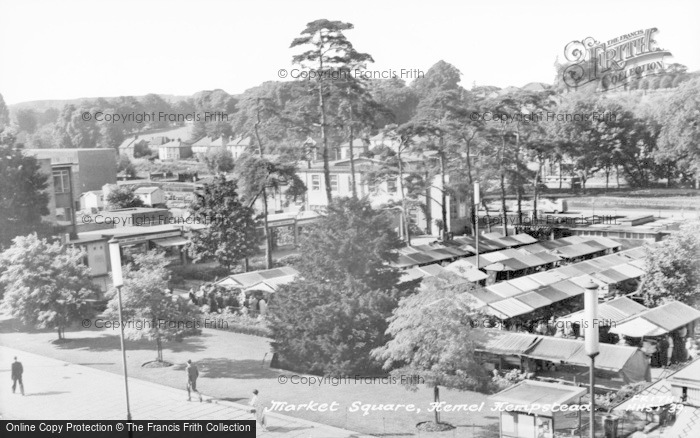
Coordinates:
(192,374)
(17,371)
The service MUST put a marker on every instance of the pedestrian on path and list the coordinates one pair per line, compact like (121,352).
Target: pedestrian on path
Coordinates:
(192,374)
(17,371)
(258,411)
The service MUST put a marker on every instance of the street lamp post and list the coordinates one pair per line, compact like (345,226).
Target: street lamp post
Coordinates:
(590,307)
(476,221)
(118,282)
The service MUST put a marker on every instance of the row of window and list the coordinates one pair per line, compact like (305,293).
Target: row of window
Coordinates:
(316,183)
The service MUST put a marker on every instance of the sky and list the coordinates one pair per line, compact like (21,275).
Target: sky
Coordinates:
(86,48)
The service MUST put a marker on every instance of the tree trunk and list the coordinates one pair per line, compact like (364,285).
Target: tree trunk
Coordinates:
(353,182)
(400,182)
(486,212)
(617,175)
(436,399)
(473,210)
(324,138)
(444,197)
(607,178)
(428,204)
(159,348)
(504,214)
(537,191)
(561,175)
(266,229)
(519,193)
(245,265)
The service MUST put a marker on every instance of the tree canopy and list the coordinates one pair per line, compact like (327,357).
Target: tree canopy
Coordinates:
(46,284)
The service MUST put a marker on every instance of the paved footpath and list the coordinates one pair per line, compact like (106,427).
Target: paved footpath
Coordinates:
(57,390)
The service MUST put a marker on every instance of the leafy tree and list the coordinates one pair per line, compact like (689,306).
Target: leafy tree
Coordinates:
(219,160)
(153,103)
(4,114)
(23,200)
(673,268)
(352,243)
(144,299)
(330,53)
(679,138)
(400,100)
(330,319)
(231,235)
(432,337)
(258,177)
(71,131)
(125,165)
(441,76)
(45,284)
(26,120)
(43,137)
(322,328)
(123,197)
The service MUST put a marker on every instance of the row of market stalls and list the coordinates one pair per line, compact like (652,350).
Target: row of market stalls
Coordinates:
(522,258)
(267,281)
(550,355)
(520,296)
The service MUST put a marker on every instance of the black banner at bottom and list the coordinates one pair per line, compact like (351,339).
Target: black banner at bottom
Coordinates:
(126,429)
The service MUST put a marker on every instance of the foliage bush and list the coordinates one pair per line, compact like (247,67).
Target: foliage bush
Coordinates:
(237,323)
(197,272)
(508,379)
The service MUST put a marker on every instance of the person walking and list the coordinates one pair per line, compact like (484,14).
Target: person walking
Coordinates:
(17,371)
(258,411)
(192,374)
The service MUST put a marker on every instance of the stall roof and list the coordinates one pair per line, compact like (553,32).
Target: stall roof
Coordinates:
(504,289)
(657,321)
(629,270)
(511,343)
(569,271)
(172,241)
(568,287)
(610,276)
(572,351)
(609,243)
(534,393)
(511,307)
(485,296)
(546,258)
(534,248)
(534,300)
(514,264)
(525,284)
(548,277)
(524,238)
(576,250)
(613,311)
(552,294)
(569,351)
(273,277)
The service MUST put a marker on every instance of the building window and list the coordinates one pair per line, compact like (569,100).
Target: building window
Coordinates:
(391,185)
(334,183)
(61,181)
(315,182)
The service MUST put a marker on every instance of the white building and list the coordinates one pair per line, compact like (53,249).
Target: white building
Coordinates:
(92,201)
(150,195)
(382,194)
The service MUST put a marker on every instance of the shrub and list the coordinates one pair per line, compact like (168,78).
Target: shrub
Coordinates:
(237,323)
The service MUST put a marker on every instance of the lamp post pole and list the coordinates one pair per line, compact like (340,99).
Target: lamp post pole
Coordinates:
(118,282)
(476,221)
(591,342)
